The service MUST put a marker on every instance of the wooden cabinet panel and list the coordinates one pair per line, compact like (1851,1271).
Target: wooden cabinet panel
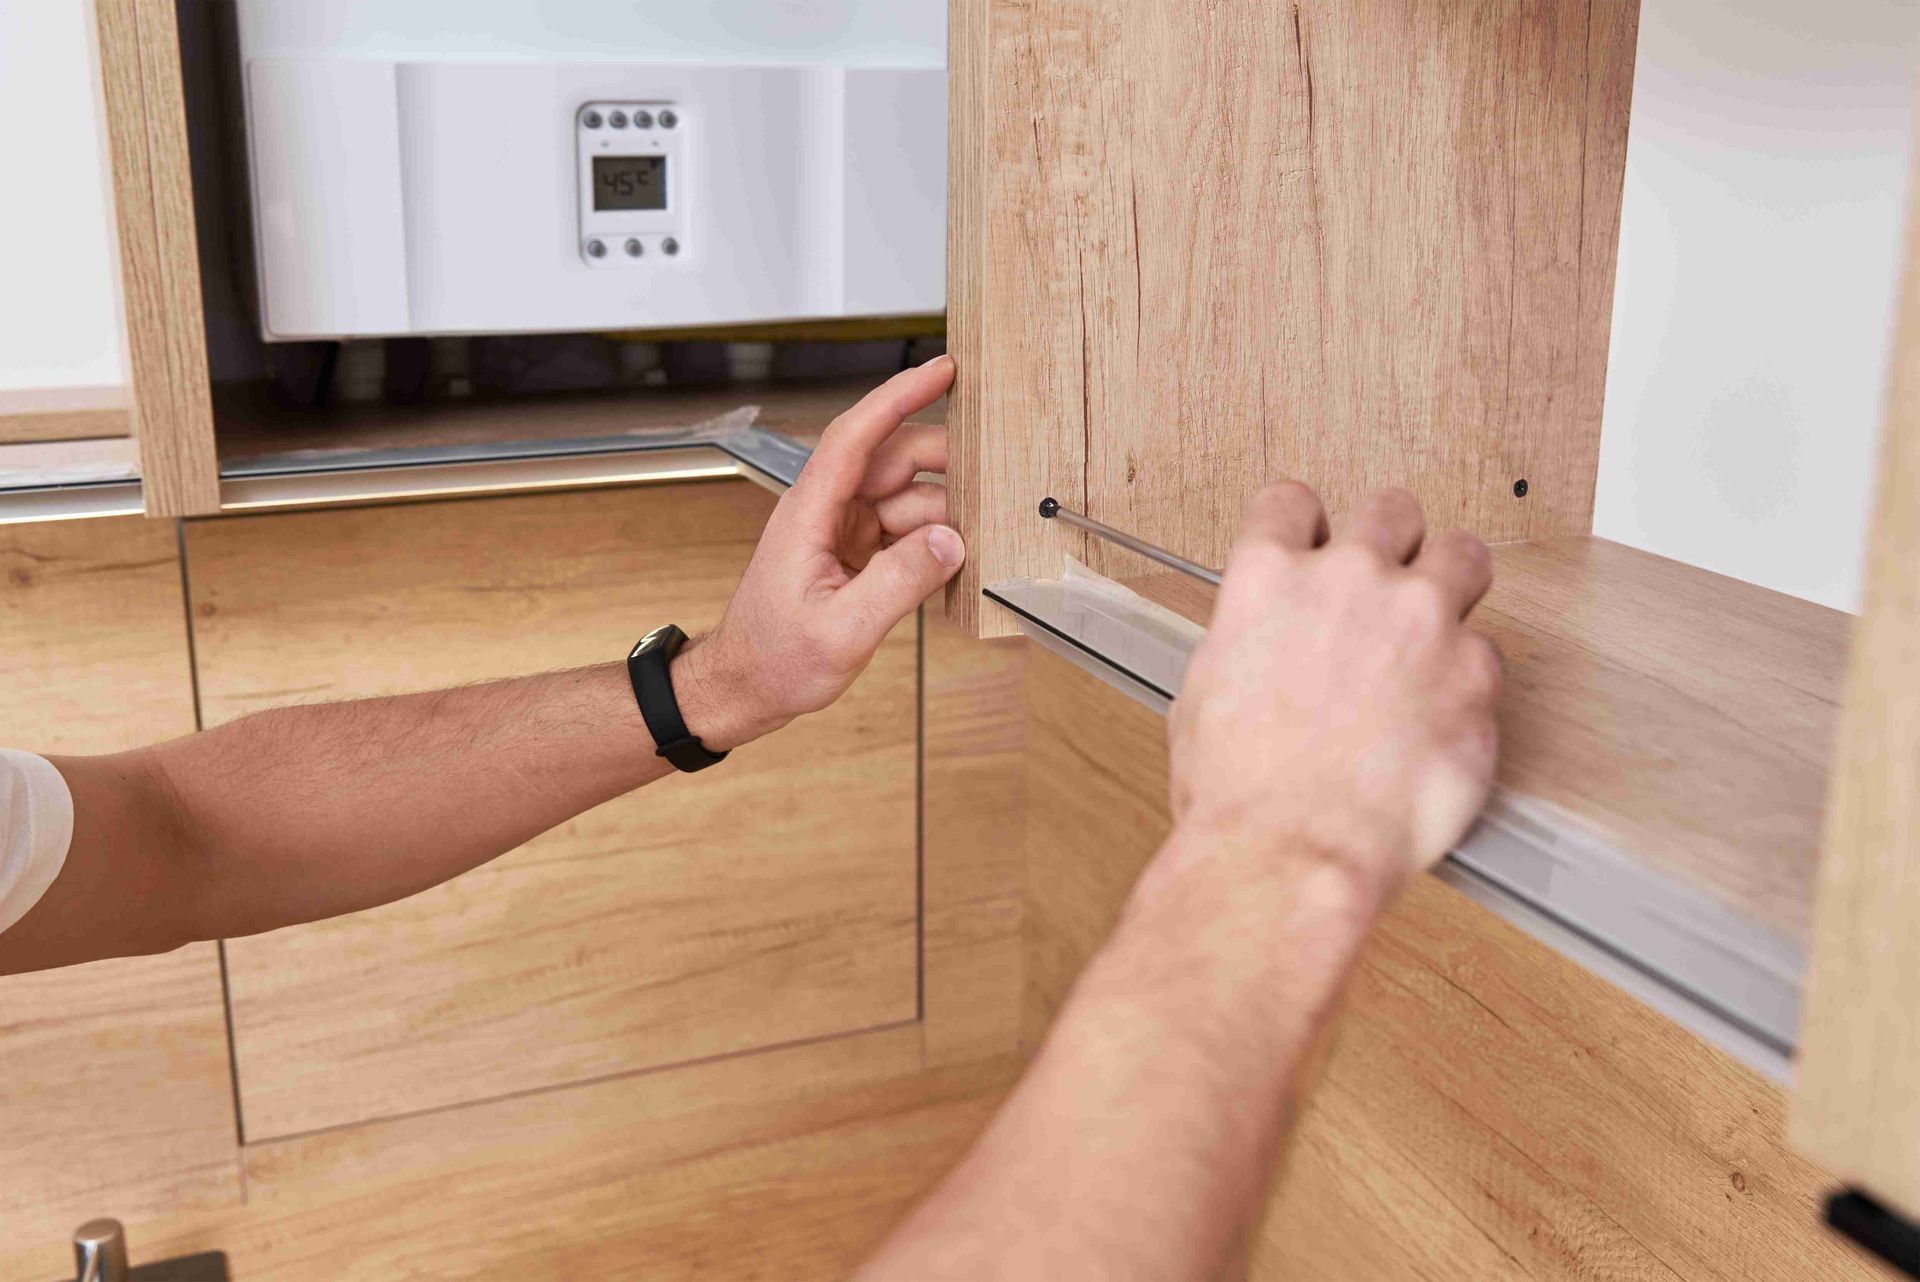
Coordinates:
(146,120)
(1197,245)
(1857,1101)
(787,1165)
(767,901)
(115,1075)
(1489,1110)
(973,827)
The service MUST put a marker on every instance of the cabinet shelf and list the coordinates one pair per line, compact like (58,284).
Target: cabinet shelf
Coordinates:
(1664,745)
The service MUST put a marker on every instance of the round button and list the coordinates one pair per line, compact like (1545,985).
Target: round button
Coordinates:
(643,120)
(618,120)
(596,249)
(668,120)
(669,247)
(635,249)
(592,120)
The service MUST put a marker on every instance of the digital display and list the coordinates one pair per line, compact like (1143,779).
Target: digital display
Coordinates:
(629,182)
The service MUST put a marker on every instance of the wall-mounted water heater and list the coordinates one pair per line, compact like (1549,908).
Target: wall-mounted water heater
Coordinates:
(493,166)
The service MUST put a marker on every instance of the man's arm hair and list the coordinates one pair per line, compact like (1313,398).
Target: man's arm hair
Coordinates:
(301,813)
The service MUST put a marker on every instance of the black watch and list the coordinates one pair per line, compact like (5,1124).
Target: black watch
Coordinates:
(653,688)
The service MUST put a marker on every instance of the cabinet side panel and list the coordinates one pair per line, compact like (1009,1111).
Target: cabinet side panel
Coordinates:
(1857,1100)
(159,256)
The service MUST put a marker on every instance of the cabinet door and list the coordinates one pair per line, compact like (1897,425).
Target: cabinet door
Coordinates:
(114,1075)
(767,901)
(1201,244)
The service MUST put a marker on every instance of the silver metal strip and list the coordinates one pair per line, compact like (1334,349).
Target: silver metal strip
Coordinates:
(723,447)
(1727,978)
(71,502)
(1763,1055)
(262,492)
(319,478)
(314,462)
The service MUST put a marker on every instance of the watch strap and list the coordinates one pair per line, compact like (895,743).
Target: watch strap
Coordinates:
(649,669)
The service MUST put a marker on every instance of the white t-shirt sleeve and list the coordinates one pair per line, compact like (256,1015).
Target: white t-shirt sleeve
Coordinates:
(36,827)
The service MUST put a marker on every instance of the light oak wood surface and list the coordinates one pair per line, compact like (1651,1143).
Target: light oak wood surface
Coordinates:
(1857,1101)
(973,839)
(771,901)
(146,130)
(1490,1109)
(63,414)
(1200,245)
(788,1164)
(114,1075)
(1682,716)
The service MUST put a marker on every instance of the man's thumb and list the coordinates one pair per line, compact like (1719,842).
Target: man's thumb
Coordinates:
(897,579)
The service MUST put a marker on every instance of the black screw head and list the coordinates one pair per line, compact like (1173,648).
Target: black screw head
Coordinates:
(1520,488)
(1049,507)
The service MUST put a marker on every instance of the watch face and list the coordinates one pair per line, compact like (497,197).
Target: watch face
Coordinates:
(654,640)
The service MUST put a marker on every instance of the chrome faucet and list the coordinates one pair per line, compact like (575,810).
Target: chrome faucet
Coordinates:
(100,1251)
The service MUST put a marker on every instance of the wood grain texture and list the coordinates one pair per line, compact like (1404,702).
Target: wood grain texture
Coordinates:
(1490,1110)
(973,848)
(1857,1100)
(1196,246)
(63,414)
(114,1074)
(1680,717)
(159,255)
(768,902)
(788,1164)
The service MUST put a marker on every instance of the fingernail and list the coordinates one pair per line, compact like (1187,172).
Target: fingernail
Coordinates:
(936,360)
(946,546)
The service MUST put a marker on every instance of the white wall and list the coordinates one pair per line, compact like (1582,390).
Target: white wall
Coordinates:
(1760,239)
(59,270)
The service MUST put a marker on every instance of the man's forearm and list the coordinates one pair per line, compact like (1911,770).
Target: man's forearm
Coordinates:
(1140,1142)
(302,813)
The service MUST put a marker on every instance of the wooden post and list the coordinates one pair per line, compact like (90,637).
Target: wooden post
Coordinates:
(1857,1089)
(1197,244)
(159,255)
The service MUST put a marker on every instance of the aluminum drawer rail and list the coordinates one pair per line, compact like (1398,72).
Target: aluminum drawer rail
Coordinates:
(729,446)
(1730,980)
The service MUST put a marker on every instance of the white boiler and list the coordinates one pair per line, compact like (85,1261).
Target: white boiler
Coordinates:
(499,166)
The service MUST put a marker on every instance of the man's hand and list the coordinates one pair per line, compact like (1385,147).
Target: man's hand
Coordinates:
(1338,705)
(852,549)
